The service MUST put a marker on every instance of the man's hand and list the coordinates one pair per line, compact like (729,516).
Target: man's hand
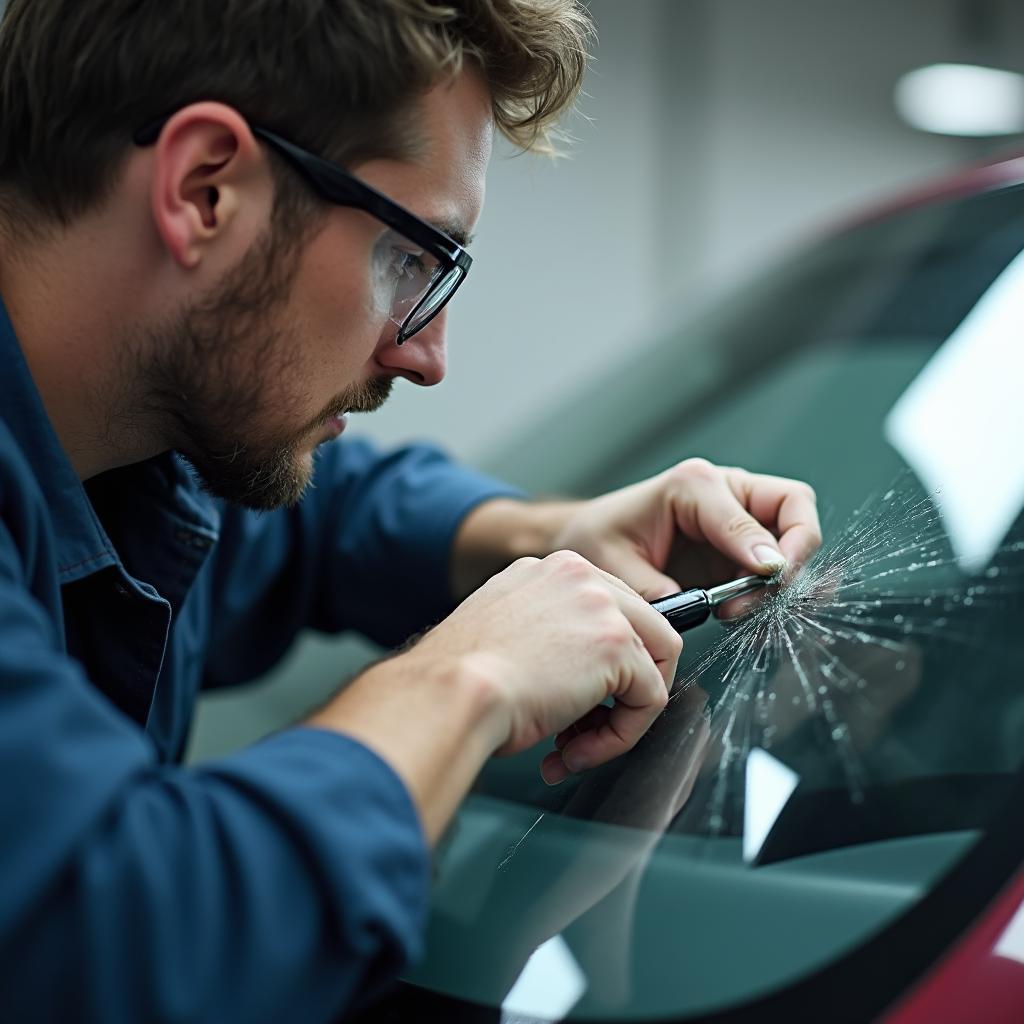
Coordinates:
(695,525)
(533,652)
(555,638)
(540,647)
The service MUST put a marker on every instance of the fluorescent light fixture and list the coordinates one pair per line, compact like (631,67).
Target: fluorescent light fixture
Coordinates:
(960,423)
(962,99)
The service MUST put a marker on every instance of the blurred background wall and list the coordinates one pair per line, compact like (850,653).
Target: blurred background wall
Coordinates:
(714,136)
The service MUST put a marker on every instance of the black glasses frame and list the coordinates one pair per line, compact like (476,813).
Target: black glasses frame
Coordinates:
(338,186)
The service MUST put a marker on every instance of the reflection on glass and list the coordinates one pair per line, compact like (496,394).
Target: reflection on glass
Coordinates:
(770,784)
(1011,943)
(960,423)
(550,985)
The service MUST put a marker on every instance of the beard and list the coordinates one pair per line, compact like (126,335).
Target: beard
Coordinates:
(213,378)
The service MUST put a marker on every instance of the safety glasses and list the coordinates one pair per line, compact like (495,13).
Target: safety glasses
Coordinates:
(418,266)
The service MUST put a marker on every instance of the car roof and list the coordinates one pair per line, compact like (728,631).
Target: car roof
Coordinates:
(1005,170)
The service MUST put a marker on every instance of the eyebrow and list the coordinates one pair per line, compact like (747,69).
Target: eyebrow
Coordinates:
(454,230)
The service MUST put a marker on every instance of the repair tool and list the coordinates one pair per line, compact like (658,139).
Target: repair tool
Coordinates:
(690,608)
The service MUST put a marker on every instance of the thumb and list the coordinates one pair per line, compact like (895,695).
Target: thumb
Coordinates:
(732,530)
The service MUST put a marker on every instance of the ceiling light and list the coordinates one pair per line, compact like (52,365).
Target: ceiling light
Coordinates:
(962,99)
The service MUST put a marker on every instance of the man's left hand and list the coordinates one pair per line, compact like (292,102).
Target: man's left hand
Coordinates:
(695,524)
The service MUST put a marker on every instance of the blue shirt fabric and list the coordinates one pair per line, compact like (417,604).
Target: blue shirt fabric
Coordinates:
(281,883)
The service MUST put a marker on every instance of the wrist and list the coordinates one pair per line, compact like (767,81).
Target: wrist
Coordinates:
(472,690)
(498,532)
(434,718)
(537,528)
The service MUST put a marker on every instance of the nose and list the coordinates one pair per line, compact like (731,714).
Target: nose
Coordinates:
(423,359)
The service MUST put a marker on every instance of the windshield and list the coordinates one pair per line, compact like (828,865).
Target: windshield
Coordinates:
(827,760)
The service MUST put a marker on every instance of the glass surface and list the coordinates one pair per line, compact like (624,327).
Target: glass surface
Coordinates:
(826,760)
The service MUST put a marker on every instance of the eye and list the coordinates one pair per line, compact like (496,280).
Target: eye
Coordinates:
(396,259)
(402,271)
(405,264)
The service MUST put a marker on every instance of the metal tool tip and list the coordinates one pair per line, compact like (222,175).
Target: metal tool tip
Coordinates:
(727,591)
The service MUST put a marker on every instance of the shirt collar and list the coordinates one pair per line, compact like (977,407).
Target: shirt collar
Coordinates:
(82,545)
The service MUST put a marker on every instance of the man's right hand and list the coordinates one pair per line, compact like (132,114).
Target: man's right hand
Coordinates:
(556,637)
(535,651)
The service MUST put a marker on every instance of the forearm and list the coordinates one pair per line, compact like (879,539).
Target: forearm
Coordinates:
(433,722)
(303,836)
(498,532)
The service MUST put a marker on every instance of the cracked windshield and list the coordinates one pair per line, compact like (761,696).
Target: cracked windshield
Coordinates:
(837,747)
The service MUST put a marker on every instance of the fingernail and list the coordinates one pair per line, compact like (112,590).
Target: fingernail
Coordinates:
(770,558)
(573,762)
(553,770)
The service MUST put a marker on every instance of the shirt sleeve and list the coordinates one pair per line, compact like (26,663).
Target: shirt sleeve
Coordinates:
(367,549)
(276,884)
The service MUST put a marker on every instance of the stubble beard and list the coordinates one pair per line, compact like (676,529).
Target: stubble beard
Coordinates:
(214,380)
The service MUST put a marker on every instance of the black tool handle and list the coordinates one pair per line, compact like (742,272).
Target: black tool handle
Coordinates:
(684,610)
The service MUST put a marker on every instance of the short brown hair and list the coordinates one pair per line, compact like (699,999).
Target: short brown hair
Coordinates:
(78,77)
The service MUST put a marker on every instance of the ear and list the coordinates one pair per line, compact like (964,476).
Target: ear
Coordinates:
(206,166)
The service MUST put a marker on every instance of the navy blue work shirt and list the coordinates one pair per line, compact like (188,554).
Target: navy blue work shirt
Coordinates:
(281,883)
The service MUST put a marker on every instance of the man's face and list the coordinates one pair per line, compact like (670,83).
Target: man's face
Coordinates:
(258,373)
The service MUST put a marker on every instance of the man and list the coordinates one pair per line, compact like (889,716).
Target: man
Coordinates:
(185,276)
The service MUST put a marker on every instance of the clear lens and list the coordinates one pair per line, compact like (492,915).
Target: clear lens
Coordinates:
(414,286)
(434,301)
(402,275)
(411,283)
